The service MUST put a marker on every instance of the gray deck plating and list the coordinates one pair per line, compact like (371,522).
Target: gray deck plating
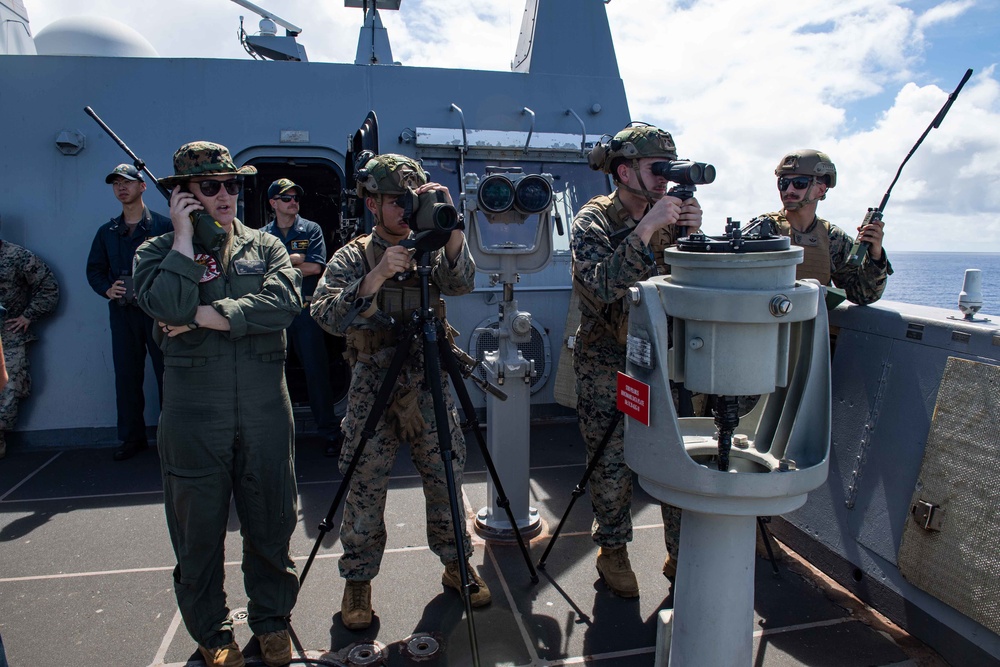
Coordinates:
(86,575)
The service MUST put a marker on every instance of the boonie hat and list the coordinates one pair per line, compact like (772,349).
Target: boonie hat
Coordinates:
(281,186)
(203,158)
(126,171)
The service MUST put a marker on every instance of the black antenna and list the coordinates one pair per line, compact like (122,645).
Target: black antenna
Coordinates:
(860,249)
(139,164)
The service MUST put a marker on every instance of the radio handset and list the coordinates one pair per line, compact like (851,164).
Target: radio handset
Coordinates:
(208,233)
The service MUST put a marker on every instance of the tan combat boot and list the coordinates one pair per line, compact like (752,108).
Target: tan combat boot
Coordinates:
(452,578)
(275,648)
(356,607)
(228,655)
(670,567)
(614,567)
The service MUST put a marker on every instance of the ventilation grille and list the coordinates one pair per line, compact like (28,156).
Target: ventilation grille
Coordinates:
(483,340)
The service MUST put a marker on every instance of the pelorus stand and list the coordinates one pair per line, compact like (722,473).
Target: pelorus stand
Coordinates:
(437,354)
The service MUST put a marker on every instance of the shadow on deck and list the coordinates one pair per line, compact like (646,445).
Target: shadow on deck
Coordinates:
(87,567)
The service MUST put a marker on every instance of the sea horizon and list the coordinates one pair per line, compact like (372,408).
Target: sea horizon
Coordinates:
(935,278)
(944,252)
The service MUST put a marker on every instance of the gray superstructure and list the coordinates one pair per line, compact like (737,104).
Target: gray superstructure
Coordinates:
(563,92)
(568,79)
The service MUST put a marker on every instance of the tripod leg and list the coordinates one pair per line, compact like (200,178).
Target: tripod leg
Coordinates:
(432,371)
(578,491)
(451,365)
(766,534)
(374,415)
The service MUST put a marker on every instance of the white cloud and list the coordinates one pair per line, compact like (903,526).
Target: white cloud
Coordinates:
(946,11)
(467,35)
(738,82)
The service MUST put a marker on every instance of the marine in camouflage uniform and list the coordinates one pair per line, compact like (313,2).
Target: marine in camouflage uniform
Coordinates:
(226,429)
(617,241)
(28,291)
(804,176)
(355,287)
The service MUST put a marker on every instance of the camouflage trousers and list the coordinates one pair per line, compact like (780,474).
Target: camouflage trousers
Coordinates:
(363,533)
(597,364)
(18,385)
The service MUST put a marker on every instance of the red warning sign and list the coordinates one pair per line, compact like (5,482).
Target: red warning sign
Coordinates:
(633,398)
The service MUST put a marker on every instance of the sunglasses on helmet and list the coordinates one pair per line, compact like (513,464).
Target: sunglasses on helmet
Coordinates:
(799,183)
(211,188)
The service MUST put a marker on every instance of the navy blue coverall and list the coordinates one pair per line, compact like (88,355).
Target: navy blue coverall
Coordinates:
(306,337)
(131,329)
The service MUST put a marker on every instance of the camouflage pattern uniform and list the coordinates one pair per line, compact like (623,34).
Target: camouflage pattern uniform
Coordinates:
(27,288)
(604,271)
(363,532)
(864,284)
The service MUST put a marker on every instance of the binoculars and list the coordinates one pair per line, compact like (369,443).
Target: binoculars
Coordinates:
(428,212)
(684,172)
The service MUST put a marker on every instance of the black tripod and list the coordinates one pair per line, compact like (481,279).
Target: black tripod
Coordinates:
(581,486)
(437,351)
(686,409)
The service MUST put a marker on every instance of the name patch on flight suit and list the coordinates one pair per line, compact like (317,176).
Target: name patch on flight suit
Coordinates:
(300,244)
(249,267)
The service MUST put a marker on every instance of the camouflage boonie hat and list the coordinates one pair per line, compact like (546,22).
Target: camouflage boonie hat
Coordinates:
(807,162)
(281,186)
(389,174)
(635,141)
(203,158)
(126,171)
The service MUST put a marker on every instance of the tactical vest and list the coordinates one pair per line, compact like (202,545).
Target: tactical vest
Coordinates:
(398,299)
(613,317)
(815,244)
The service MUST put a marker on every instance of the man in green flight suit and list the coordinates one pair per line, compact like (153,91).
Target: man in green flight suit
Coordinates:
(222,295)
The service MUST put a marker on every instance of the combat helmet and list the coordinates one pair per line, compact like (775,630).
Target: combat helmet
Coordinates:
(638,140)
(808,162)
(388,174)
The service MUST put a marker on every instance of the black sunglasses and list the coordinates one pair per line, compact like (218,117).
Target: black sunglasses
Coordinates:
(288,198)
(211,188)
(799,183)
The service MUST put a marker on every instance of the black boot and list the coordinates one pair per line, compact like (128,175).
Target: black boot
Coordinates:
(129,449)
(334,443)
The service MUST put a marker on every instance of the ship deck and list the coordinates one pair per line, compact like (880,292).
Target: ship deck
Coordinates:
(86,577)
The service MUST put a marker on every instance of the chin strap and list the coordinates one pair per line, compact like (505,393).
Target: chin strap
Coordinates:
(378,205)
(795,205)
(644,192)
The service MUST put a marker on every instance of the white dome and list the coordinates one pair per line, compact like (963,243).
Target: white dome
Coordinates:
(92,36)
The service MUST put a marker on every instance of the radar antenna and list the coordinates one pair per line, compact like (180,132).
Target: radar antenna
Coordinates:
(267,44)
(373,40)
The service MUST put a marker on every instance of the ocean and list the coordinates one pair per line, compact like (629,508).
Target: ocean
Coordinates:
(935,278)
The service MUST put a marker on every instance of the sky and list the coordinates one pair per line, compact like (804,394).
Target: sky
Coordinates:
(737,82)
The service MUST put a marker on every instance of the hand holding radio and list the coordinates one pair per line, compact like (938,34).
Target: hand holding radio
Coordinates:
(183,208)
